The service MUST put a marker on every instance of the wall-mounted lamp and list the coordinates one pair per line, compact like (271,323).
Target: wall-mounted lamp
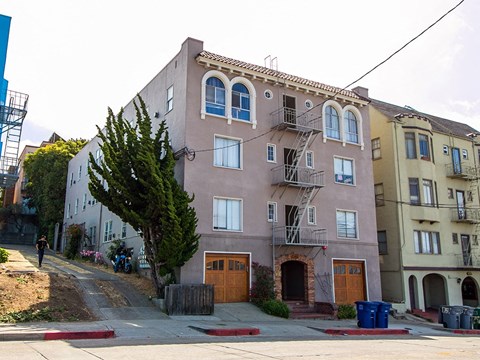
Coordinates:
(459,280)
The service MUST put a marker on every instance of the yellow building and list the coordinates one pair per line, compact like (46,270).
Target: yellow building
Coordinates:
(426,174)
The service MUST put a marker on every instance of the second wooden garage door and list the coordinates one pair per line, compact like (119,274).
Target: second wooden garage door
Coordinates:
(349,281)
(229,274)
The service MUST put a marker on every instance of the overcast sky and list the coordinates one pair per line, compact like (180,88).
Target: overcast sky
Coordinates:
(76,58)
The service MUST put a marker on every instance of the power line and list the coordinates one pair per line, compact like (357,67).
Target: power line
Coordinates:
(352,83)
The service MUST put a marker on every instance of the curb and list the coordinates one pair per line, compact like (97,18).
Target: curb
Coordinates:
(228,331)
(366,332)
(58,335)
(466,331)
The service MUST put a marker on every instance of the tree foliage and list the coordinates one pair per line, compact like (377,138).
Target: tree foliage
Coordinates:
(46,170)
(136,181)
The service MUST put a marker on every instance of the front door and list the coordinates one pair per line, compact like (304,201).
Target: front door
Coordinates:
(293,280)
(349,281)
(229,275)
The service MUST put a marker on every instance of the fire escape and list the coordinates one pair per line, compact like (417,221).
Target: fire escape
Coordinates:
(306,181)
(12,114)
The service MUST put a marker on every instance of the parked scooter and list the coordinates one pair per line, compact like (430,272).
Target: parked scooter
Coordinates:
(125,262)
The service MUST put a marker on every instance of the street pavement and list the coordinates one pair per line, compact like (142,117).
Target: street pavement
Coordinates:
(143,322)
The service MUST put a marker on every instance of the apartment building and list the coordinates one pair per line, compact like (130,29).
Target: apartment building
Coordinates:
(282,175)
(426,192)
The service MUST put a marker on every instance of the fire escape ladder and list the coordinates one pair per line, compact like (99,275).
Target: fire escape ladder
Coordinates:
(304,197)
(302,141)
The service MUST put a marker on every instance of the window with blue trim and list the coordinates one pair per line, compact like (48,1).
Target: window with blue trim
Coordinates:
(240,102)
(351,127)
(332,123)
(215,96)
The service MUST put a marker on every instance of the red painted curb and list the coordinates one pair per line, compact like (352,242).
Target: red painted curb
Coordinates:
(79,335)
(466,331)
(233,332)
(367,332)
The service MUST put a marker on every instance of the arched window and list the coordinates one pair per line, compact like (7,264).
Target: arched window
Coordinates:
(240,102)
(215,96)
(350,127)
(332,124)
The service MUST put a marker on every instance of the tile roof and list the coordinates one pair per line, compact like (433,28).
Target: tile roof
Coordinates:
(438,124)
(276,74)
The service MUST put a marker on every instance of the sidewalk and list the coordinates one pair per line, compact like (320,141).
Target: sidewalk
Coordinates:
(231,320)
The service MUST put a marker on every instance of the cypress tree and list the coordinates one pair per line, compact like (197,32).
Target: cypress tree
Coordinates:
(135,180)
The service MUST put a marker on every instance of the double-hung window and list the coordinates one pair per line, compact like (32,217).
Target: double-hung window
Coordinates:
(332,122)
(215,96)
(426,242)
(107,231)
(240,102)
(414,191)
(271,153)
(227,214)
(376,153)
(410,147)
(169,98)
(93,235)
(379,195)
(271,211)
(311,215)
(428,192)
(346,224)
(424,147)
(84,202)
(227,152)
(309,159)
(351,127)
(79,172)
(76,206)
(124,230)
(344,171)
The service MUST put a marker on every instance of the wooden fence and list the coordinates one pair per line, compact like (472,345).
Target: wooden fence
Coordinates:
(181,299)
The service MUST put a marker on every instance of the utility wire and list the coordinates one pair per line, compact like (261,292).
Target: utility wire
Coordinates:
(352,83)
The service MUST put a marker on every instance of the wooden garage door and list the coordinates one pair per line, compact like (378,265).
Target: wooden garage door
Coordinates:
(229,274)
(349,281)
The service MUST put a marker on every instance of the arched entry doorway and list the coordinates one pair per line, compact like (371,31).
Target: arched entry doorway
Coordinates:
(293,280)
(413,291)
(469,292)
(434,291)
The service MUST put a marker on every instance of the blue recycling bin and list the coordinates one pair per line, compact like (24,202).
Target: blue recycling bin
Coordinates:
(366,314)
(383,311)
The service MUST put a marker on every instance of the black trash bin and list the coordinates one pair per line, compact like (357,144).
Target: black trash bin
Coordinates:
(466,317)
(366,313)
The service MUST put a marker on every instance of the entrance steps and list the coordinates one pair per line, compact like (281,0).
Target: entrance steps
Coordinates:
(301,310)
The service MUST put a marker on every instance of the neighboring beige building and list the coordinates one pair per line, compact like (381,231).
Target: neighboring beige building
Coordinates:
(281,171)
(426,187)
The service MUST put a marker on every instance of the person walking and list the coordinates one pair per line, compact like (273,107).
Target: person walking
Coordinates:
(41,244)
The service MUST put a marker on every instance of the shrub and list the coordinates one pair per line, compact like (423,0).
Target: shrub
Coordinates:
(276,308)
(75,234)
(3,255)
(262,288)
(346,312)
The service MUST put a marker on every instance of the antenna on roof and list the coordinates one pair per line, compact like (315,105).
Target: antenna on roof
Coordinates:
(271,63)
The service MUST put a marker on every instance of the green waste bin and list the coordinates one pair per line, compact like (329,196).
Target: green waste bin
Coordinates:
(476,318)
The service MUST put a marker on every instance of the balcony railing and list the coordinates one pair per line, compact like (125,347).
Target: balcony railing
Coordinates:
(14,109)
(468,260)
(301,236)
(293,119)
(8,171)
(301,176)
(462,171)
(465,215)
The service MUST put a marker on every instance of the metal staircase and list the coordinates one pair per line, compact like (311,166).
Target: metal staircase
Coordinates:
(12,114)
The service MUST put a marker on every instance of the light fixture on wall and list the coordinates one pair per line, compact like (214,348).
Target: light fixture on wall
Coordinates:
(459,280)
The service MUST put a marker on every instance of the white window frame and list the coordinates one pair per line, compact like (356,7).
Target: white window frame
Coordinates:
(79,172)
(68,211)
(427,242)
(274,153)
(222,152)
(75,210)
(219,201)
(272,215)
(169,99)
(84,202)
(428,195)
(309,159)
(93,234)
(340,234)
(464,154)
(107,231)
(312,215)
(335,179)
(376,149)
(123,232)
(71,179)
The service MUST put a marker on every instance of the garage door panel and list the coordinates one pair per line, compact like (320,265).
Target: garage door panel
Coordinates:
(349,281)
(229,275)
